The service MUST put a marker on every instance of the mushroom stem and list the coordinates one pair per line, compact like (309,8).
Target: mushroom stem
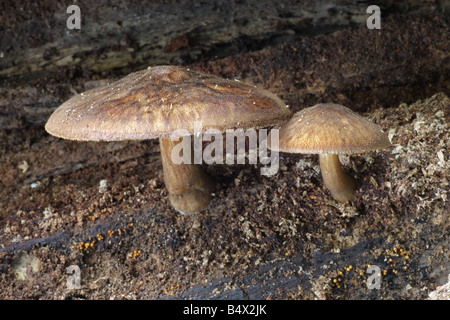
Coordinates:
(188,185)
(340,184)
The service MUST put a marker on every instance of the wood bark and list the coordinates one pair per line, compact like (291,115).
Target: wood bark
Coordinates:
(302,51)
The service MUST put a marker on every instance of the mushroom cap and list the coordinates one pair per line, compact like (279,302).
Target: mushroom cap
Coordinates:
(330,128)
(157,101)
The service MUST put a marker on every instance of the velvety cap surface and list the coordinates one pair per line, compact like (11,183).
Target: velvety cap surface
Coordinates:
(330,128)
(159,100)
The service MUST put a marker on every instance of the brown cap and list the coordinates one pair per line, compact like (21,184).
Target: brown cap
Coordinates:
(154,102)
(330,128)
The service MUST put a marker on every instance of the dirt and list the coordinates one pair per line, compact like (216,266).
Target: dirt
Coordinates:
(278,237)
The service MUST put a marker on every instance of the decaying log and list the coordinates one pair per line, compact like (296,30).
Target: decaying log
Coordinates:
(404,60)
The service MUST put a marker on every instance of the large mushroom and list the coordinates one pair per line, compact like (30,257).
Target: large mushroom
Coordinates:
(160,102)
(329,130)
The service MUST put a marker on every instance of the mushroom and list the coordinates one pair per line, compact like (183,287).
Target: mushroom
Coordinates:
(161,102)
(329,130)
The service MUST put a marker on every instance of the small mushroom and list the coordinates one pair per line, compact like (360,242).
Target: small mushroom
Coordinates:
(159,102)
(330,130)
